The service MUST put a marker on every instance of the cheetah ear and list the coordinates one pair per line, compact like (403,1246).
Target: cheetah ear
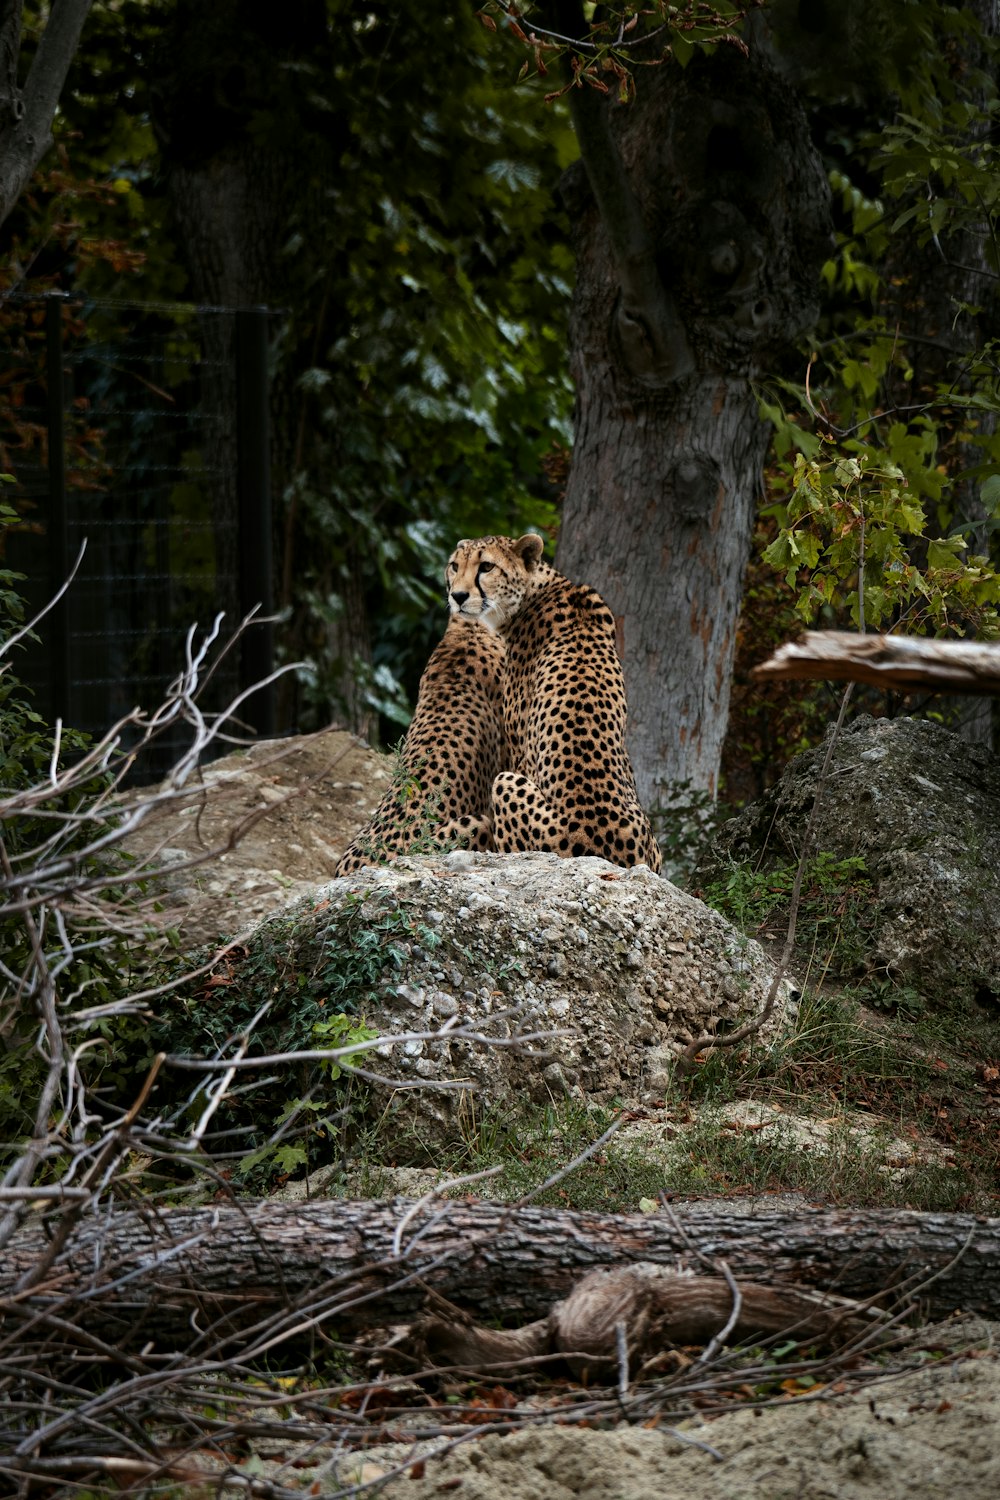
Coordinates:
(529,549)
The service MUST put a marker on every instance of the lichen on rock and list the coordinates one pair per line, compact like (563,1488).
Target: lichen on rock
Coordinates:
(922,808)
(609,971)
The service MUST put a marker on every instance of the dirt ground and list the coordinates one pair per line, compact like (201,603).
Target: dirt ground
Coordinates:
(929,1433)
(919,1424)
(289,808)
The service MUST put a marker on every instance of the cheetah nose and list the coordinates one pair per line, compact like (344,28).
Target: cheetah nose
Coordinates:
(460,596)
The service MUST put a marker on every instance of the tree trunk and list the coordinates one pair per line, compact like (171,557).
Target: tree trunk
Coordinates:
(236,1271)
(228,211)
(668,492)
(26,114)
(667,462)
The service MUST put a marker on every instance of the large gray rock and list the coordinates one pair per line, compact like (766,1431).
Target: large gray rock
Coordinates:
(922,808)
(626,966)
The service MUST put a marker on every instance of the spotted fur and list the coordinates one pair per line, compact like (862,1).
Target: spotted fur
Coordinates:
(449,759)
(570,787)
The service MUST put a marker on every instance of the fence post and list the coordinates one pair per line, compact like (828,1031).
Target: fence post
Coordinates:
(255,536)
(56,626)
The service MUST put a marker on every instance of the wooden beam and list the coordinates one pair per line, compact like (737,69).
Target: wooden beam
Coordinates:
(894,662)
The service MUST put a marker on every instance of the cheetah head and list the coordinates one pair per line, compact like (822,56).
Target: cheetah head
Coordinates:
(489,579)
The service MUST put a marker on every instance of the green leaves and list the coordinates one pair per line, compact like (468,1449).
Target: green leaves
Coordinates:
(851,535)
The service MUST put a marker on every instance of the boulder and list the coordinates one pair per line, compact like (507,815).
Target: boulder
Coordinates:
(922,808)
(618,969)
(253,831)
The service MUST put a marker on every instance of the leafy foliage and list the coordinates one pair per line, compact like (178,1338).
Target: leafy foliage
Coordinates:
(296,977)
(300,988)
(847,535)
(435,295)
(423,277)
(604,59)
(884,479)
(834,904)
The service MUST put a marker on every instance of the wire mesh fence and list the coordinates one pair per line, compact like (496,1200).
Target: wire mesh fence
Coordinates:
(142,432)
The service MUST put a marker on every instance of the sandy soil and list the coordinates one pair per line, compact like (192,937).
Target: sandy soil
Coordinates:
(928,1433)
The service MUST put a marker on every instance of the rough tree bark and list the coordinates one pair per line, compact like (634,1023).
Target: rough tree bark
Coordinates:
(165,1274)
(700,227)
(26,114)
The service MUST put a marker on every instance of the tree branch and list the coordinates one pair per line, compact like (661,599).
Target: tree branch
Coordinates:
(11,104)
(886,661)
(27,132)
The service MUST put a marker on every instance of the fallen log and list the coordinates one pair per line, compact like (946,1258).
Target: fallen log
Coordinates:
(235,1277)
(886,661)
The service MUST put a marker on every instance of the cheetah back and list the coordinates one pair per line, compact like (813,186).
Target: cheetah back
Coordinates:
(570,788)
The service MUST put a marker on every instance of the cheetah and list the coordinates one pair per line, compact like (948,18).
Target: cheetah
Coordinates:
(569,787)
(449,759)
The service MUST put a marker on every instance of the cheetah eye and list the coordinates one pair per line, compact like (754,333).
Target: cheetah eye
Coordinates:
(486,567)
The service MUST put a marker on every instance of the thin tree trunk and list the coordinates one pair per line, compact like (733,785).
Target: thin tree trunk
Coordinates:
(229,211)
(237,192)
(26,114)
(164,1275)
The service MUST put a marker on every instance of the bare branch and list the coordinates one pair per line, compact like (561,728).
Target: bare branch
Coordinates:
(886,661)
(26,134)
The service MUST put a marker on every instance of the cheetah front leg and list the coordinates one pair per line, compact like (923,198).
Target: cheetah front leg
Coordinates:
(466,832)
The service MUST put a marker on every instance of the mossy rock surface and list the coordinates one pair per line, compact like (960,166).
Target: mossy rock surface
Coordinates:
(589,978)
(922,809)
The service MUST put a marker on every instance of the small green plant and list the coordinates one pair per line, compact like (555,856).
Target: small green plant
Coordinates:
(314,1123)
(883,993)
(419,814)
(684,824)
(297,975)
(832,912)
(304,985)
